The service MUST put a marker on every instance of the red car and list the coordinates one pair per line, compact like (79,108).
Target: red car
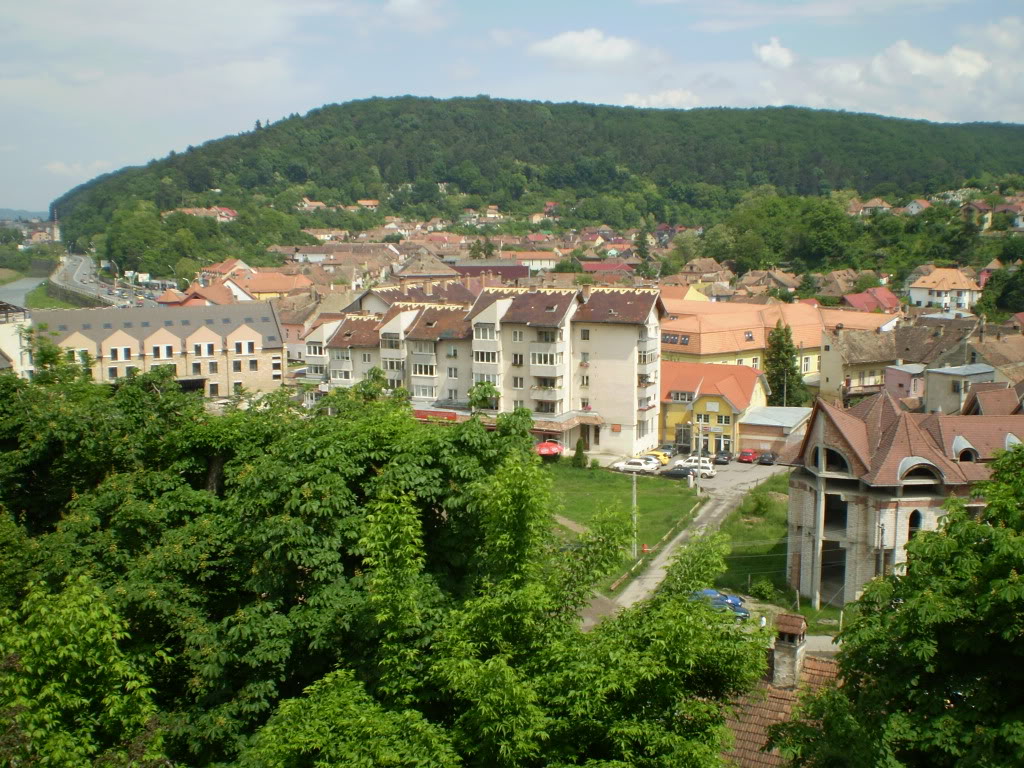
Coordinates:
(748,456)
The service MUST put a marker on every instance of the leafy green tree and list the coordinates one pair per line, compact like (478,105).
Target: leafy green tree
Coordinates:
(579,456)
(69,694)
(782,369)
(10,236)
(927,661)
(568,264)
(864,282)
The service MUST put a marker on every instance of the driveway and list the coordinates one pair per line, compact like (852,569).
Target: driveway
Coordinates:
(735,476)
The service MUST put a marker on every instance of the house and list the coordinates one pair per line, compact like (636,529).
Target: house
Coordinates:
(791,674)
(370,204)
(263,285)
(868,478)
(772,427)
(874,206)
(702,404)
(761,280)
(878,299)
(217,350)
(996,398)
(311,205)
(15,356)
(536,260)
(945,287)
(840,281)
(978,213)
(946,388)
(610,266)
(988,270)
(905,384)
(916,206)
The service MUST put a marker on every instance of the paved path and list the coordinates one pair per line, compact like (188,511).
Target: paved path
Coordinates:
(14,293)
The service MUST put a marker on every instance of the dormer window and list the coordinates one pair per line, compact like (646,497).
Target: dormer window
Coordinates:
(748,335)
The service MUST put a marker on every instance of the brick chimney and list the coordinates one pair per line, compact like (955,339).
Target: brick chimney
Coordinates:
(789,651)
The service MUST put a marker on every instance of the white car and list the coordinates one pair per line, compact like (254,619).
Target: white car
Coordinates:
(702,464)
(637,465)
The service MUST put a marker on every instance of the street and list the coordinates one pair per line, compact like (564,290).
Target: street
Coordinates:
(79,274)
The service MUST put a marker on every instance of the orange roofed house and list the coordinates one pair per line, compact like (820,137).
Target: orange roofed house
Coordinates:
(946,288)
(868,478)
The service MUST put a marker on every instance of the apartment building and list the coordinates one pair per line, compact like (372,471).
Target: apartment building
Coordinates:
(14,356)
(585,362)
(217,350)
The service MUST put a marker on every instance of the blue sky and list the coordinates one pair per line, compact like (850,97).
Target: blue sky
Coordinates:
(91,87)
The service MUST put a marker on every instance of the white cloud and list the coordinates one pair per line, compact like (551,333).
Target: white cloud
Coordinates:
(902,60)
(506,36)
(76,170)
(775,54)
(586,47)
(420,15)
(674,98)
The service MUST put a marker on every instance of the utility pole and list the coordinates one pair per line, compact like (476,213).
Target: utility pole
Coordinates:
(634,515)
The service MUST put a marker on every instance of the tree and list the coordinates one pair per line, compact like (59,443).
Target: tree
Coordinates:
(865,281)
(782,369)
(579,457)
(568,264)
(928,659)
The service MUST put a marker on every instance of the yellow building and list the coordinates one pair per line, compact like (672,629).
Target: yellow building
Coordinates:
(702,404)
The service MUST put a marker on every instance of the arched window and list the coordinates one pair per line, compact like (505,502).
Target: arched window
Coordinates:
(815,458)
(834,462)
(915,524)
(922,472)
(967,455)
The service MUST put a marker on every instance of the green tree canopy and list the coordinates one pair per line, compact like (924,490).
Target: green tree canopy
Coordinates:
(782,369)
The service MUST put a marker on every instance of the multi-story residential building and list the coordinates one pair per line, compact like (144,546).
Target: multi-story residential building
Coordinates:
(14,356)
(868,478)
(946,389)
(585,362)
(218,350)
(944,287)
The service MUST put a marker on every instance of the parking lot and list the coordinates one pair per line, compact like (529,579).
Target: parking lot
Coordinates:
(740,477)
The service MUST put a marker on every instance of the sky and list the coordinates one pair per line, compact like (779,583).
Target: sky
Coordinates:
(88,88)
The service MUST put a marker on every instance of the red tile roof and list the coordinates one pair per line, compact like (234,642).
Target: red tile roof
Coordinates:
(736,383)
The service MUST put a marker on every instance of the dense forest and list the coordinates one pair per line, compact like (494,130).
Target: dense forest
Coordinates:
(621,166)
(351,587)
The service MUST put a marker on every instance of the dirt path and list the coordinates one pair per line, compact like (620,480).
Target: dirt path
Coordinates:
(572,525)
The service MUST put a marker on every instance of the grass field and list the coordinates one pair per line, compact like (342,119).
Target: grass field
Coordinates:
(37,298)
(9,275)
(661,503)
(758,532)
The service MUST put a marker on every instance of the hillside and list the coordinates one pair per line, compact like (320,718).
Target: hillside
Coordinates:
(623,162)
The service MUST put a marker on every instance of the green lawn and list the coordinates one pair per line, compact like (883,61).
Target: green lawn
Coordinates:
(758,531)
(9,275)
(37,298)
(661,503)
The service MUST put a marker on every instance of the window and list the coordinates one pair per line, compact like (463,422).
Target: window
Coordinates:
(643,403)
(453,373)
(254,365)
(517,335)
(684,339)
(546,337)
(806,365)
(585,381)
(491,378)
(517,382)
(199,349)
(236,366)
(670,338)
(584,334)
(681,397)
(724,419)
(518,404)
(211,367)
(341,354)
(214,389)
(646,358)
(197,369)
(423,347)
(643,426)
(393,365)
(585,403)
(482,356)
(394,384)
(703,418)
(421,369)
(311,370)
(818,363)
(249,348)
(956,386)
(739,361)
(390,341)
(366,357)
(167,351)
(547,406)
(748,335)
(422,390)
(453,394)
(585,357)
(453,352)
(129,370)
(237,386)
(342,375)
(517,359)
(545,358)
(113,354)
(112,372)
(484,331)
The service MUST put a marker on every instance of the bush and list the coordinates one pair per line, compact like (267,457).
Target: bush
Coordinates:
(763,589)
(579,458)
(595,464)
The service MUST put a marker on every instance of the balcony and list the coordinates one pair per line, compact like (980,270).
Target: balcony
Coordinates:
(547,393)
(642,382)
(547,348)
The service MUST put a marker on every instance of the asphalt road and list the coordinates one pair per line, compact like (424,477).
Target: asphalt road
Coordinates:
(80,275)
(15,293)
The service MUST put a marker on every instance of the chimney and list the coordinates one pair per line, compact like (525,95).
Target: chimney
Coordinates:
(790,647)
(428,287)
(585,290)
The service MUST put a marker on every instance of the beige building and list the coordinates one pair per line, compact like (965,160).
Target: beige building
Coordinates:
(14,356)
(217,350)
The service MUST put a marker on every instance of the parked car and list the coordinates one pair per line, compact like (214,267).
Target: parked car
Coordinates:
(701,463)
(661,456)
(768,457)
(723,457)
(668,448)
(721,602)
(714,594)
(747,456)
(636,465)
(677,473)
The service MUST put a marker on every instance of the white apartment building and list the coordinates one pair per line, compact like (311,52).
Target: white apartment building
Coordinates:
(584,362)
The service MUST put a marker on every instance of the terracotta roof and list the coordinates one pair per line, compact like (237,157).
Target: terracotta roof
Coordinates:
(617,305)
(946,279)
(440,323)
(873,298)
(540,308)
(767,705)
(215,293)
(444,292)
(425,265)
(1000,402)
(791,623)
(606,266)
(270,282)
(736,383)
(356,331)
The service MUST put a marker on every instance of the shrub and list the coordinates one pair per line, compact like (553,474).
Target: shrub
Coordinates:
(763,589)
(579,458)
(595,464)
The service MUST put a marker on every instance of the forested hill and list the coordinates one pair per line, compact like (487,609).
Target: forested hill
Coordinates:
(504,151)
